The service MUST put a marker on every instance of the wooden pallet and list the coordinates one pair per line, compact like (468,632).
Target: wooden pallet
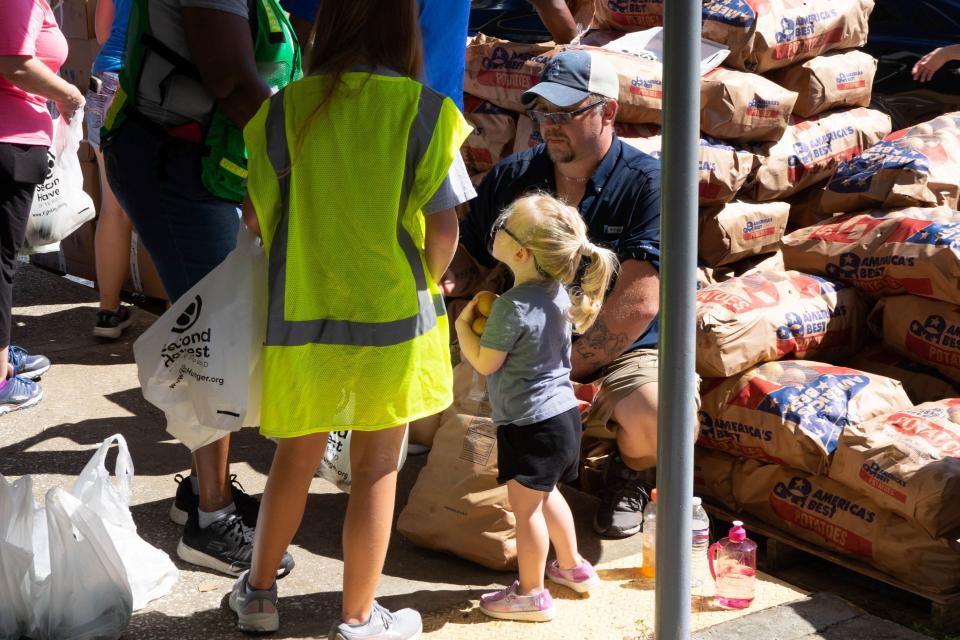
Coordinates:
(783,550)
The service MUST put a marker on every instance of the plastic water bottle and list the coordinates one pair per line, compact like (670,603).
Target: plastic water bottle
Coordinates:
(733,564)
(701,543)
(649,567)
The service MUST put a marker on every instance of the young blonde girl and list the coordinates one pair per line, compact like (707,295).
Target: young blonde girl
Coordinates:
(525,353)
(354,173)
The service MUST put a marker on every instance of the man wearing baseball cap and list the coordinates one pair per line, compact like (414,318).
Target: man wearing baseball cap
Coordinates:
(617,190)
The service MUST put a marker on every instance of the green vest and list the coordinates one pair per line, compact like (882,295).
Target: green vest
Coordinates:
(357,333)
(224,156)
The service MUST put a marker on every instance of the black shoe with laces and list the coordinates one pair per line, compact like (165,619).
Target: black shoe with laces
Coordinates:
(226,546)
(186,501)
(110,324)
(621,502)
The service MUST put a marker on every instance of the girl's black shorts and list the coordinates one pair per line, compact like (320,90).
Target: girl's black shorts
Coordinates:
(541,454)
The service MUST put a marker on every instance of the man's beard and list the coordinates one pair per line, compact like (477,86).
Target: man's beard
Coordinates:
(561,156)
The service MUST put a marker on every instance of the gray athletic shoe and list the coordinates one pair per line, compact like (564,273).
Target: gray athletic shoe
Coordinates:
(382,625)
(621,502)
(256,610)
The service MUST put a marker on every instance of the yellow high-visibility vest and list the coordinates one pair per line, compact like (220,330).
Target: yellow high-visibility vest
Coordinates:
(357,333)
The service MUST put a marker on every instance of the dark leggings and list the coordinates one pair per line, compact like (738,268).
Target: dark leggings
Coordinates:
(22,168)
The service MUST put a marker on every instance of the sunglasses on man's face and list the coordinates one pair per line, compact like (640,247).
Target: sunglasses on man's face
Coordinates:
(561,117)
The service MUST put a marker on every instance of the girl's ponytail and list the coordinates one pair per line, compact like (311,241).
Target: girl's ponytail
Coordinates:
(587,299)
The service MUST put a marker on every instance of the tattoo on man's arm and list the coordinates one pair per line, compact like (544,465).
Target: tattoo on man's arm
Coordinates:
(600,345)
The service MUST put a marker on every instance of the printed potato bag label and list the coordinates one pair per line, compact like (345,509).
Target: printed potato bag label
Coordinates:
(792,413)
(770,34)
(628,15)
(908,463)
(884,253)
(723,169)
(741,229)
(492,138)
(828,514)
(811,148)
(836,79)
(912,167)
(927,331)
(713,476)
(744,107)
(767,316)
(922,382)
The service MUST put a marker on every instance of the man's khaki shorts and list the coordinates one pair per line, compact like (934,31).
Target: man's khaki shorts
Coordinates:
(619,379)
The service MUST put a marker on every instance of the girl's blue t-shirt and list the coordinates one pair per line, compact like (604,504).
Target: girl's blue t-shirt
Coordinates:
(529,322)
(111,55)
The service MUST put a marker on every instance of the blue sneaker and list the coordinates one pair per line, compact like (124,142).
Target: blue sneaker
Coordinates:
(26,365)
(19,393)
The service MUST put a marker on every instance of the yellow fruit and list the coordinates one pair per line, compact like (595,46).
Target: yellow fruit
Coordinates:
(485,302)
(479,324)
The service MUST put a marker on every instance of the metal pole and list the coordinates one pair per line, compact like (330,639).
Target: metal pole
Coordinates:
(678,266)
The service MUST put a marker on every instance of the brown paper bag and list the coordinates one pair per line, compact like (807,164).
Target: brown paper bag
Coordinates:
(456,504)
(836,79)
(884,253)
(811,149)
(907,462)
(767,316)
(770,34)
(707,276)
(922,382)
(924,330)
(792,412)
(740,229)
(628,15)
(828,514)
(805,209)
(528,135)
(913,167)
(744,107)
(492,138)
(500,71)
(713,476)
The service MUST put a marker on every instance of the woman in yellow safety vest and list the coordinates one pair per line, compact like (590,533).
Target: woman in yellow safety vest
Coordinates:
(354,173)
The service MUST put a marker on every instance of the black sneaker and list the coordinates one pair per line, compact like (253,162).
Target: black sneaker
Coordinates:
(25,365)
(110,324)
(226,545)
(186,501)
(621,502)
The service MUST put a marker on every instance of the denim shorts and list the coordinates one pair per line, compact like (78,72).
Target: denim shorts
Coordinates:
(156,179)
(98,104)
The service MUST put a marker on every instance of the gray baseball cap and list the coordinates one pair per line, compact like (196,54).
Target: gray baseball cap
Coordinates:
(571,76)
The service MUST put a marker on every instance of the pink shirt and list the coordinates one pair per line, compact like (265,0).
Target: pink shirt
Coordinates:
(28,28)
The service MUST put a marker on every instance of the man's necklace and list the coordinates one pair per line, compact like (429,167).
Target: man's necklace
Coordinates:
(572,179)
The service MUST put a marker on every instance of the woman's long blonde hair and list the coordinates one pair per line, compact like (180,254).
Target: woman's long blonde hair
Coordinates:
(555,234)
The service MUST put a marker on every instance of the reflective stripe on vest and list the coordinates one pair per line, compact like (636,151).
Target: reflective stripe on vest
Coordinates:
(291,333)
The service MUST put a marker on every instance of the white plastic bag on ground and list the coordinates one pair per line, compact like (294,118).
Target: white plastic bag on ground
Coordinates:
(150,572)
(17,512)
(200,362)
(335,465)
(60,205)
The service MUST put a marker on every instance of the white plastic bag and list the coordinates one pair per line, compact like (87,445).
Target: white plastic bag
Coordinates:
(60,205)
(200,362)
(335,465)
(149,571)
(17,513)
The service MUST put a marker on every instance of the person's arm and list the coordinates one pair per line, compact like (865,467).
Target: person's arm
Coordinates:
(221,47)
(250,217)
(33,76)
(929,64)
(625,315)
(440,242)
(484,360)
(103,20)
(557,18)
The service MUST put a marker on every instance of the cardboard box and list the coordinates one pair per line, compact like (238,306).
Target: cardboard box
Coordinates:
(80,57)
(77,18)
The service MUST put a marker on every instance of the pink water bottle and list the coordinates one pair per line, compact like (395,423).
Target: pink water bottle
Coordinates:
(733,564)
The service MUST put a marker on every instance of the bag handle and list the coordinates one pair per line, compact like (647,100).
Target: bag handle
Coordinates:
(123,469)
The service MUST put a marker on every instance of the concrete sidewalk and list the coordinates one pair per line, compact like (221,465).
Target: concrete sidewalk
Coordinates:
(92,392)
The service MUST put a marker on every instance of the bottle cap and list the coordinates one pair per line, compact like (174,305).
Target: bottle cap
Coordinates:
(737,532)
(653,495)
(697,501)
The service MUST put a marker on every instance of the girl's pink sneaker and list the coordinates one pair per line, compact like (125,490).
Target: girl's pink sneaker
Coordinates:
(581,578)
(507,604)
